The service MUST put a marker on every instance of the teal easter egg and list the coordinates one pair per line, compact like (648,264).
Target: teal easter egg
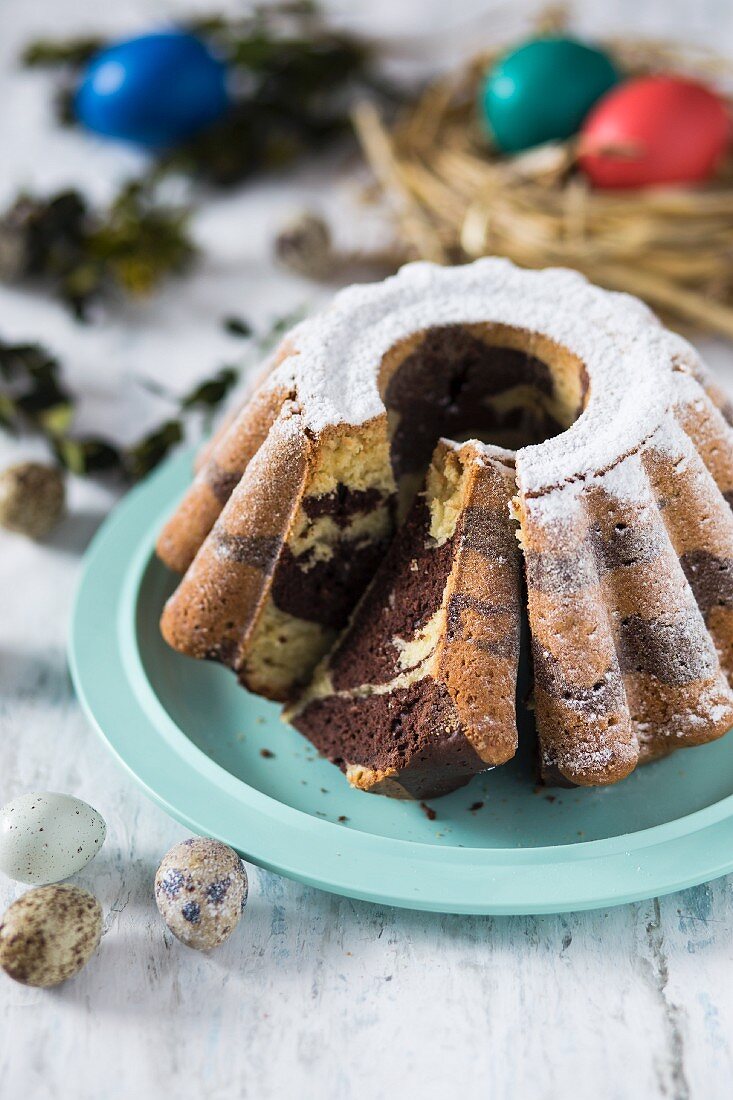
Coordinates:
(543,91)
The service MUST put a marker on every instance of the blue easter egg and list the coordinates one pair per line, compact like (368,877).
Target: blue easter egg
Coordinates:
(155,90)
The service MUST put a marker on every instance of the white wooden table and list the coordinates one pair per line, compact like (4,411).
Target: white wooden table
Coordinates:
(315,996)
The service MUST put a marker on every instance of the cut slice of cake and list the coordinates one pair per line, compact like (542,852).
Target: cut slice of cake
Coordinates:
(418,695)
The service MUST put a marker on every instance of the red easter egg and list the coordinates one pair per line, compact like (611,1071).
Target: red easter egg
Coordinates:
(654,130)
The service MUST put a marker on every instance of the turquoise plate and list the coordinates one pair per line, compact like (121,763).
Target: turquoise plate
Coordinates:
(223,763)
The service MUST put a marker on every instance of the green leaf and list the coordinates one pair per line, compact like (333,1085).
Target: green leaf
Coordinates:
(8,413)
(237,326)
(56,420)
(212,391)
(152,449)
(84,255)
(43,52)
(85,456)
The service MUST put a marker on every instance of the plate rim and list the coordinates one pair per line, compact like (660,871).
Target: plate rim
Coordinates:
(492,881)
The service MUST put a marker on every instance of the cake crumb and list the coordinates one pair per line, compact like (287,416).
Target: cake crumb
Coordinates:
(476,806)
(266,754)
(428,811)
(342,818)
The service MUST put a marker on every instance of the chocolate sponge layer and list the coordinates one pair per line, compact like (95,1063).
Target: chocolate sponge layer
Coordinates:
(414,732)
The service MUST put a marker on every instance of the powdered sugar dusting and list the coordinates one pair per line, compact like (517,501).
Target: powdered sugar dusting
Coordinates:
(626,481)
(593,759)
(624,349)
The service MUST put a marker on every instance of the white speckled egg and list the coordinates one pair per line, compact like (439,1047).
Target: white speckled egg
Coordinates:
(201,890)
(49,934)
(45,837)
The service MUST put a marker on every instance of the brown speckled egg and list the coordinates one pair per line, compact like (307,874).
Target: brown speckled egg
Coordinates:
(32,498)
(49,934)
(201,890)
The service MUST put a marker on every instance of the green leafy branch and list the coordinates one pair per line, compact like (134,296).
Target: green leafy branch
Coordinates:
(82,255)
(34,399)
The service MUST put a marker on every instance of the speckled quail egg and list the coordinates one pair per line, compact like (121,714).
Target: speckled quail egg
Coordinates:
(201,890)
(45,837)
(49,934)
(32,498)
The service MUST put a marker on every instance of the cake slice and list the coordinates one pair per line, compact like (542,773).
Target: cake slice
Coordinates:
(418,695)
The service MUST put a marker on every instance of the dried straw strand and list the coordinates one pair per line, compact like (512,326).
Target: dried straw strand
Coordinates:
(455,198)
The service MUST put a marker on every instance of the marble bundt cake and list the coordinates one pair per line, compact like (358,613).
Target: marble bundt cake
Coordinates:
(607,467)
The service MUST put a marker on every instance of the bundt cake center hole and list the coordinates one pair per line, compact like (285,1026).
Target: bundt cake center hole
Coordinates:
(494,383)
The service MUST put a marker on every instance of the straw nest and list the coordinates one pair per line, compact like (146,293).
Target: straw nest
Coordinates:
(455,198)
